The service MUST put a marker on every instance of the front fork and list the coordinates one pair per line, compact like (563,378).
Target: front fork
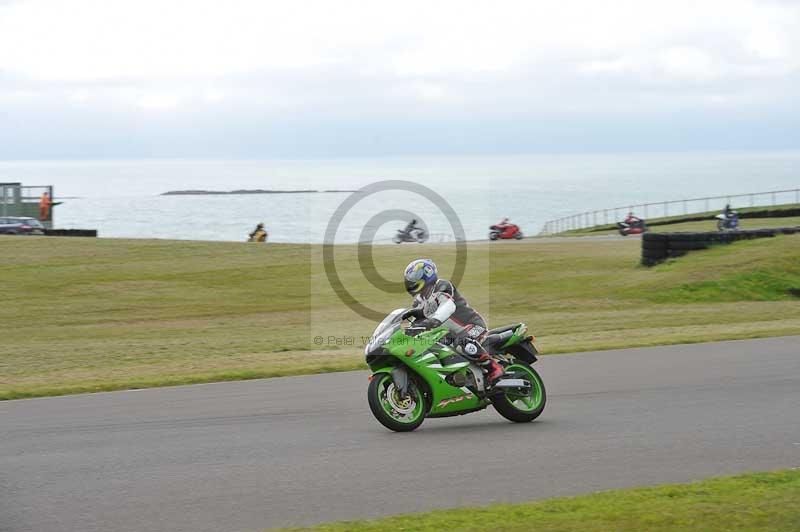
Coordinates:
(400,378)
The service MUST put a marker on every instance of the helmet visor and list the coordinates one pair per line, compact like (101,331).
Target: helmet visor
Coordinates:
(414,287)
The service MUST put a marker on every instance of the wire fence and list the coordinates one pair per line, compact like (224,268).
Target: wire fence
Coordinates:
(666,209)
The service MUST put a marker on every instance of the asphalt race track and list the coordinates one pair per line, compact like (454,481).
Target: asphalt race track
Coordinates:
(301,450)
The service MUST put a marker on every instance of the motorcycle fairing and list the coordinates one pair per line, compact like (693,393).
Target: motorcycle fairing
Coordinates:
(424,356)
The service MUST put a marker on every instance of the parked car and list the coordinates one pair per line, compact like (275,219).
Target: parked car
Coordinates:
(17,225)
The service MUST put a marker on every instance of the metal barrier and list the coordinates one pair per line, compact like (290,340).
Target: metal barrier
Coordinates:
(666,209)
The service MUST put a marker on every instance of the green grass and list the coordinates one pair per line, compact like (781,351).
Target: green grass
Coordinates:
(759,501)
(84,315)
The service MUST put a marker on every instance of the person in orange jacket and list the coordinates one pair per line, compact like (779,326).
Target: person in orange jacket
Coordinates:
(45,204)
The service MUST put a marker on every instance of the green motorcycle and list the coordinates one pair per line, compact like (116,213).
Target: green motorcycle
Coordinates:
(416,374)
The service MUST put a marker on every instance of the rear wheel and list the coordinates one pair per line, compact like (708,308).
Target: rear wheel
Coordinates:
(520,407)
(401,414)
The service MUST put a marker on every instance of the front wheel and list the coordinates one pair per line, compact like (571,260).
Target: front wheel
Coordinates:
(494,235)
(518,407)
(400,414)
(518,235)
(397,240)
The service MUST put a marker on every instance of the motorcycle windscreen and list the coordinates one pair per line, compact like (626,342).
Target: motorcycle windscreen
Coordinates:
(385,330)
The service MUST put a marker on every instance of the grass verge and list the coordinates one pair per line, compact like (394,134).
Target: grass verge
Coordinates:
(758,501)
(83,315)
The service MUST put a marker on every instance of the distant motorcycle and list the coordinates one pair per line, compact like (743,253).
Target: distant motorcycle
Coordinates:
(259,235)
(729,222)
(505,231)
(632,228)
(415,234)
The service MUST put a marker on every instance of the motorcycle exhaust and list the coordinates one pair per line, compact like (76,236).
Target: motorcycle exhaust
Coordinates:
(457,379)
(512,383)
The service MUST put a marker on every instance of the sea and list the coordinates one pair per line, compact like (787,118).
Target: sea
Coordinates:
(453,197)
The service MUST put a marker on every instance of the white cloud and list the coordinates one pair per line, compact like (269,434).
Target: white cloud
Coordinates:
(158,100)
(318,53)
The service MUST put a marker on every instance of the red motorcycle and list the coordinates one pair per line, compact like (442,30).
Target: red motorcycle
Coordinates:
(632,226)
(505,230)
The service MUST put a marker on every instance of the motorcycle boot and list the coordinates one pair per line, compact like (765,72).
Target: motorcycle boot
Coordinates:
(474,351)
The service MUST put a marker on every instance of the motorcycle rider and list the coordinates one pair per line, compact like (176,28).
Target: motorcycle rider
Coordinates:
(410,227)
(437,302)
(259,234)
(730,218)
(633,220)
(729,212)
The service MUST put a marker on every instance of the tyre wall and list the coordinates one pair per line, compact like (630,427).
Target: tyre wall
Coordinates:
(71,232)
(658,247)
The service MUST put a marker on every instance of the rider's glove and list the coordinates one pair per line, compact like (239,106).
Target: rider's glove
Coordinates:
(415,313)
(429,323)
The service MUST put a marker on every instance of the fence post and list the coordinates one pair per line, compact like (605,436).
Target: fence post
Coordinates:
(773,198)
(666,209)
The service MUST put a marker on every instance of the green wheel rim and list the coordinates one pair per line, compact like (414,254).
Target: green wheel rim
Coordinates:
(531,401)
(402,410)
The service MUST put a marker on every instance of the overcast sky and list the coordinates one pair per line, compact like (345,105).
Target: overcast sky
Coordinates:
(304,78)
